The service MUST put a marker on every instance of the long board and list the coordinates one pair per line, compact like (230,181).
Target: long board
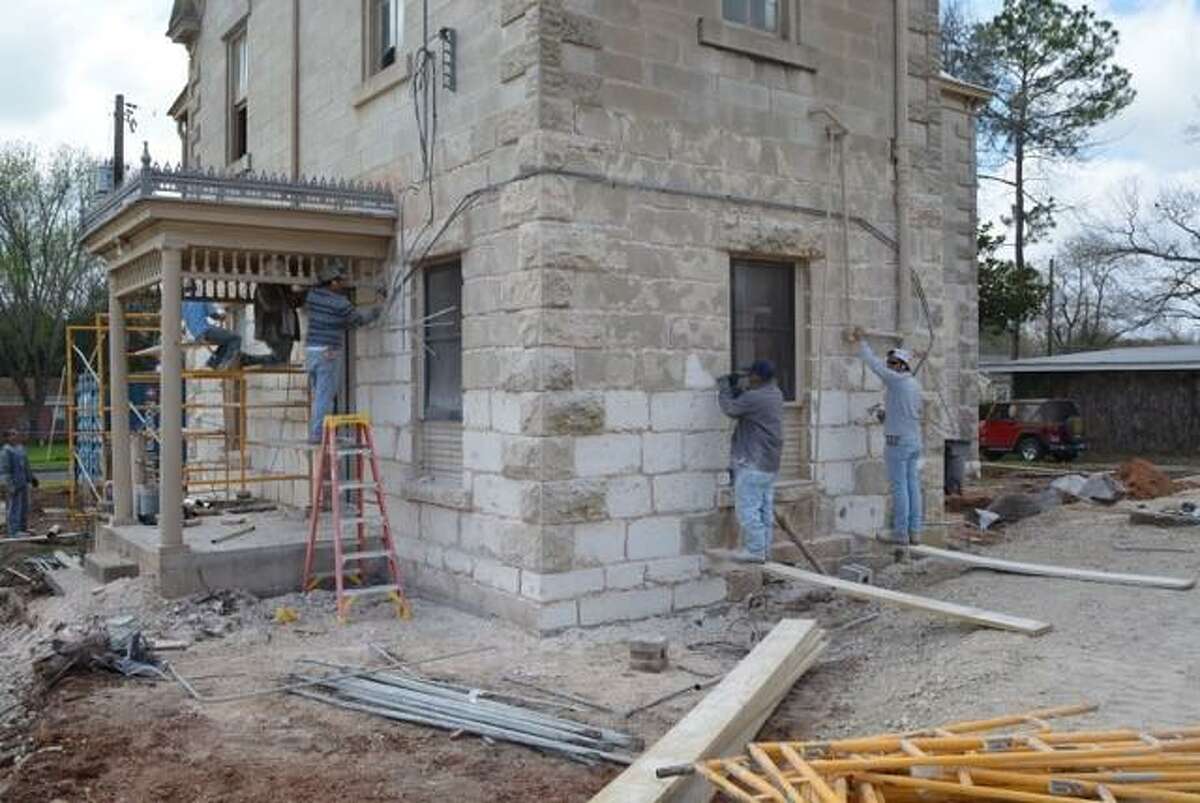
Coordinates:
(724,721)
(1065,572)
(967,613)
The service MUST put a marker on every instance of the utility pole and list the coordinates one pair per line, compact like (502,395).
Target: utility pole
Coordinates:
(118,171)
(1050,314)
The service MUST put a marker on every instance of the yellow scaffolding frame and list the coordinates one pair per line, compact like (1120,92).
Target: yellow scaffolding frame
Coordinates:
(207,474)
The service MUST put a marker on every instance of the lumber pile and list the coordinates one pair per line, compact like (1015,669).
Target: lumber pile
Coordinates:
(729,716)
(1028,761)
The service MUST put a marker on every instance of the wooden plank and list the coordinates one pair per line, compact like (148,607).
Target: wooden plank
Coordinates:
(968,613)
(1064,572)
(724,721)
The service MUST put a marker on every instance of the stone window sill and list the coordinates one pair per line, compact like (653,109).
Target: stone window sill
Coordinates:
(441,494)
(756,44)
(785,491)
(375,85)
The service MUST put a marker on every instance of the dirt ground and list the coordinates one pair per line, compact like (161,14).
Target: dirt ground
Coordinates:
(1134,651)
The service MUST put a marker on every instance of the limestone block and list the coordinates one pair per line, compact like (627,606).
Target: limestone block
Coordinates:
(616,606)
(625,575)
(688,410)
(477,409)
(506,412)
(654,537)
(601,455)
(563,414)
(684,493)
(662,452)
(600,543)
(626,410)
(704,531)
(483,451)
(563,585)
(498,495)
(711,334)
(673,570)
(842,443)
(870,478)
(860,515)
(605,369)
(699,593)
(457,562)
(497,575)
(836,479)
(706,451)
(556,616)
(835,408)
(628,497)
(564,502)
(538,458)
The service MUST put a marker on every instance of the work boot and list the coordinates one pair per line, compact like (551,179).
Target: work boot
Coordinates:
(746,556)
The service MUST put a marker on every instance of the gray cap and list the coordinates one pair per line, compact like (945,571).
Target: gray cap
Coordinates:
(333,268)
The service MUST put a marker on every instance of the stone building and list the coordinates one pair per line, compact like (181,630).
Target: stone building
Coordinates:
(629,198)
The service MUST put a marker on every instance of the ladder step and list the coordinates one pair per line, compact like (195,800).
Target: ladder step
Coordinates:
(363,592)
(356,486)
(366,555)
(354,450)
(359,520)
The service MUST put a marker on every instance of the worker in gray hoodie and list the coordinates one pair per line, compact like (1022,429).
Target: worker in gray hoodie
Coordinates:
(902,436)
(754,457)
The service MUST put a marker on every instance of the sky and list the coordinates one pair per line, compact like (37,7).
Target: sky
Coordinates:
(66,59)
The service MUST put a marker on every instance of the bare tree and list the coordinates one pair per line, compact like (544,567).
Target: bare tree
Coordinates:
(1094,301)
(46,278)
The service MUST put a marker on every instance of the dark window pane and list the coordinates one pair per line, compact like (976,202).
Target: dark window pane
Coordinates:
(736,10)
(764,319)
(443,342)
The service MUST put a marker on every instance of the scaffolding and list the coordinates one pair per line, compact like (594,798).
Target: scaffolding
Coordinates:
(223,470)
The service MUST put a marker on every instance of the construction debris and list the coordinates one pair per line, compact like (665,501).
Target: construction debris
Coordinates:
(648,655)
(407,698)
(725,719)
(1144,480)
(116,646)
(1185,516)
(1014,507)
(963,761)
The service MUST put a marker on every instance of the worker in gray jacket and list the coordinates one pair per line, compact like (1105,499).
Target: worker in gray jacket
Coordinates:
(16,481)
(754,457)
(902,435)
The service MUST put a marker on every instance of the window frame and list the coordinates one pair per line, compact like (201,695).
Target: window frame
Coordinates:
(782,19)
(794,393)
(374,57)
(237,94)
(784,46)
(428,337)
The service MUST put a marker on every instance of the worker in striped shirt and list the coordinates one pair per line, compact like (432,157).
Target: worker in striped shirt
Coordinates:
(330,314)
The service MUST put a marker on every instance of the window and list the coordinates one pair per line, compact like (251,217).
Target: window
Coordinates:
(239,85)
(443,342)
(764,318)
(385,20)
(760,14)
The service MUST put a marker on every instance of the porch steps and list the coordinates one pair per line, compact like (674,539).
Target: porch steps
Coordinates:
(104,567)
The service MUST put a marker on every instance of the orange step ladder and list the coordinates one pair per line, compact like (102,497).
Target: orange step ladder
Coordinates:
(360,445)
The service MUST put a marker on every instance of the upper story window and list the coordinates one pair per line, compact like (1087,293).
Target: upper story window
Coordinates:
(385,20)
(238,61)
(760,14)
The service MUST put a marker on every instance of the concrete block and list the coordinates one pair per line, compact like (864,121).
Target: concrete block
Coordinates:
(557,615)
(860,515)
(741,583)
(483,451)
(565,502)
(870,477)
(498,495)
(684,493)
(477,409)
(842,443)
(563,585)
(706,451)
(654,537)
(104,567)
(506,412)
(601,455)
(699,593)
(835,408)
(673,570)
(439,525)
(625,575)
(685,410)
(662,452)
(835,479)
(617,606)
(600,543)
(498,576)
(628,497)
(457,562)
(626,410)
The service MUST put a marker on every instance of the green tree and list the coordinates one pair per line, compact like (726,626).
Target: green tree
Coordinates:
(1008,296)
(46,278)
(1051,68)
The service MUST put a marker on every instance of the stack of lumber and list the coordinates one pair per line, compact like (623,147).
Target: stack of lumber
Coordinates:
(1028,762)
(723,721)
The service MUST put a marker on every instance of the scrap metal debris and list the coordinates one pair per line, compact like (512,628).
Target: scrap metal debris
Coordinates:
(116,645)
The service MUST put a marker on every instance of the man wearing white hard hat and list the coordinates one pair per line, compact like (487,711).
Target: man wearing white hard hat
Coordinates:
(902,434)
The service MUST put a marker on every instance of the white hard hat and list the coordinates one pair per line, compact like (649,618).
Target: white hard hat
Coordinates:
(903,355)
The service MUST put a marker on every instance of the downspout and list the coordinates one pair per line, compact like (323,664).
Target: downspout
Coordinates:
(903,175)
(295,90)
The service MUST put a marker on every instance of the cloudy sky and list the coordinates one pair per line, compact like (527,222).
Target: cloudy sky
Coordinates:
(66,59)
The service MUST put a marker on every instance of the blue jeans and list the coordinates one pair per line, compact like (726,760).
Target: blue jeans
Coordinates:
(324,366)
(18,510)
(228,344)
(903,460)
(754,500)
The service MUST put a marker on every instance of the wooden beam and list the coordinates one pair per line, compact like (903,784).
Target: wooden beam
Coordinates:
(1064,572)
(724,721)
(968,613)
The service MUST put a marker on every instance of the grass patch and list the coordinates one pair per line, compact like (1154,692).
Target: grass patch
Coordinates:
(54,456)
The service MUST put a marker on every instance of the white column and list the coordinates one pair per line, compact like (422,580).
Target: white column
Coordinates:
(170,476)
(118,394)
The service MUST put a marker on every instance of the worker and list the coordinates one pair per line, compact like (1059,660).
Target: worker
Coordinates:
(16,481)
(196,317)
(754,456)
(330,314)
(902,437)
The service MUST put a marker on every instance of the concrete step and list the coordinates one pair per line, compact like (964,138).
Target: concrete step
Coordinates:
(104,567)
(829,548)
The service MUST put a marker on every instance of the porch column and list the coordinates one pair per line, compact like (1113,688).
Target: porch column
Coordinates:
(170,478)
(118,394)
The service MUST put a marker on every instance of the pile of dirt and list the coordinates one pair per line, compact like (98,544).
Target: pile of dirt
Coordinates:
(1144,480)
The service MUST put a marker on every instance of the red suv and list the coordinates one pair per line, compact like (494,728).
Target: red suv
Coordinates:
(1032,428)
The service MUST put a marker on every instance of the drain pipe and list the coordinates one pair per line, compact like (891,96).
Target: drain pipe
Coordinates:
(900,157)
